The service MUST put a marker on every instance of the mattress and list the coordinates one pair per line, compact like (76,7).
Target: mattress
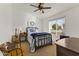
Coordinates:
(39,34)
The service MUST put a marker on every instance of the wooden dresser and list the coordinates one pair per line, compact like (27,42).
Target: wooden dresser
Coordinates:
(68,47)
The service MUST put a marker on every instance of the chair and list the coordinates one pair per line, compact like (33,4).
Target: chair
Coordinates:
(7,46)
(15,52)
(16,41)
(9,49)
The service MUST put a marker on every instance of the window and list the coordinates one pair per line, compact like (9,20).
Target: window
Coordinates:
(57,26)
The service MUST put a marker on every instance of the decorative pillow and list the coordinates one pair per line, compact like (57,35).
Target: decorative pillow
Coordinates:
(32,30)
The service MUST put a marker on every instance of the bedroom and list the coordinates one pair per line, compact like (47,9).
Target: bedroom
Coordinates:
(16,17)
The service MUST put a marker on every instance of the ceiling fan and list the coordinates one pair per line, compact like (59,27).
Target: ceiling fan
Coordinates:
(40,7)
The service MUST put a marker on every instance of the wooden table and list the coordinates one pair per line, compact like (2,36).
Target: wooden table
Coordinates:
(68,47)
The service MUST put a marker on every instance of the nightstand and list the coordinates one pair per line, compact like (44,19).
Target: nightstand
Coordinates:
(23,36)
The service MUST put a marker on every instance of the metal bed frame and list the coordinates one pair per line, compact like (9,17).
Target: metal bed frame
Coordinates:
(44,41)
(47,39)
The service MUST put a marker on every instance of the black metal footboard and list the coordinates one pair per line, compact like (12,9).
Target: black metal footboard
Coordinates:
(42,40)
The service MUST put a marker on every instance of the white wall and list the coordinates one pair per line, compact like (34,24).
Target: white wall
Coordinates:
(20,19)
(72,21)
(33,17)
(5,22)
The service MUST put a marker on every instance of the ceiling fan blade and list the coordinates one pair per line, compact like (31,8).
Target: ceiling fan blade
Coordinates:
(46,8)
(34,6)
(36,10)
(41,3)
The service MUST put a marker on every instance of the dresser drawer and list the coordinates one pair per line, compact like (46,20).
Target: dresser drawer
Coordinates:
(61,51)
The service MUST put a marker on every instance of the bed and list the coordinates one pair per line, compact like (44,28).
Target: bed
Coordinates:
(37,39)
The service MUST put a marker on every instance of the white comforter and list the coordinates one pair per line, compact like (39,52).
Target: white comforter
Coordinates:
(31,42)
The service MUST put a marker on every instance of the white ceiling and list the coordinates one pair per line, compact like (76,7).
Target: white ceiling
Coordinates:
(56,8)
